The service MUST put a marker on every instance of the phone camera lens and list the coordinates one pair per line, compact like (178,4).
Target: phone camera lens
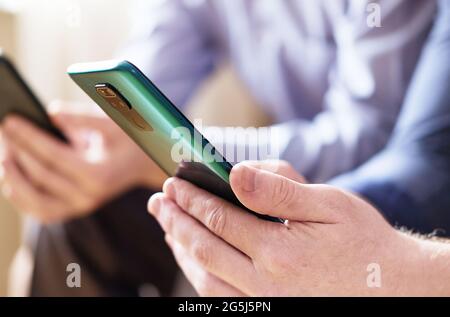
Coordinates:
(106,92)
(113,97)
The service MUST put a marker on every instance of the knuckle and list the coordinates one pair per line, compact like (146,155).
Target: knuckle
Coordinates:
(177,191)
(185,200)
(283,194)
(202,254)
(215,215)
(168,221)
(338,202)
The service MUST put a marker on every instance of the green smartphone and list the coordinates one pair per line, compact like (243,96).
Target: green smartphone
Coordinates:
(156,125)
(16,97)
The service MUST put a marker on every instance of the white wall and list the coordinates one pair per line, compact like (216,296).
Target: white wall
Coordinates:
(65,32)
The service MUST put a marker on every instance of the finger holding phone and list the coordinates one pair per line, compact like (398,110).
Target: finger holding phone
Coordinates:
(63,164)
(57,181)
(329,246)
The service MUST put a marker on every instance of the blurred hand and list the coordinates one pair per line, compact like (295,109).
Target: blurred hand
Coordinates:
(53,181)
(326,247)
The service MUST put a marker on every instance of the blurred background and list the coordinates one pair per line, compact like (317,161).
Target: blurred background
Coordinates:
(43,37)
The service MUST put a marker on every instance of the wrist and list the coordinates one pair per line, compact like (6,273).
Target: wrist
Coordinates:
(425,267)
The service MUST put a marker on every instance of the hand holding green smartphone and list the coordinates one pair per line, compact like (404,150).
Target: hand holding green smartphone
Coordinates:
(156,125)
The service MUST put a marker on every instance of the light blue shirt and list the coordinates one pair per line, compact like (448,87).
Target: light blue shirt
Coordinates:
(410,180)
(334,85)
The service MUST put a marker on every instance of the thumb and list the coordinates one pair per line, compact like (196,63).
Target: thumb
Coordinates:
(275,195)
(279,167)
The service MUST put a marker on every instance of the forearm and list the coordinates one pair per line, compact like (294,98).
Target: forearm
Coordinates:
(432,267)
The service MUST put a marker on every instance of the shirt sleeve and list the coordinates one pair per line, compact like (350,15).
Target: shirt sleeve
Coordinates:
(409,181)
(371,72)
(172,45)
(373,67)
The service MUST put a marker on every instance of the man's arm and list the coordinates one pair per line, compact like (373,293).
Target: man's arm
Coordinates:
(410,180)
(368,80)
(432,263)
(172,42)
(333,243)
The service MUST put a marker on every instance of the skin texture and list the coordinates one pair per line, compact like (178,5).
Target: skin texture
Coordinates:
(53,181)
(325,248)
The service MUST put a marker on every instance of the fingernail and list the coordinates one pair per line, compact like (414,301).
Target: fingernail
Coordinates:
(169,187)
(248,178)
(154,204)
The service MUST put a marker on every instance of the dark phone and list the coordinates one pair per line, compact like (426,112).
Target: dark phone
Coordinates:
(16,97)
